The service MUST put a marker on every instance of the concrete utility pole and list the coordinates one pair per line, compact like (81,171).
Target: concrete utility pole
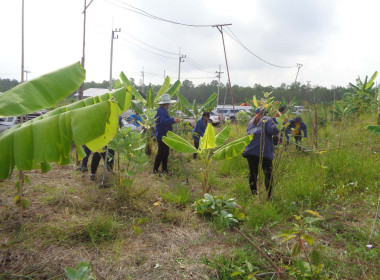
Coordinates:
(26,72)
(112,38)
(181,58)
(299,65)
(218,76)
(143,80)
(80,91)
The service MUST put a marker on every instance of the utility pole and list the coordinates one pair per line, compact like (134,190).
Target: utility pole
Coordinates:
(218,76)
(299,65)
(112,38)
(80,91)
(143,80)
(220,28)
(181,58)
(26,72)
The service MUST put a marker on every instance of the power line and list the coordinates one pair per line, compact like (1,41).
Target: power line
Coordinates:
(236,39)
(195,64)
(122,37)
(146,14)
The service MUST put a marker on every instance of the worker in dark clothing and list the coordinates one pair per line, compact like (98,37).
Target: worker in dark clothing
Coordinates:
(96,159)
(295,127)
(199,130)
(83,167)
(164,123)
(260,150)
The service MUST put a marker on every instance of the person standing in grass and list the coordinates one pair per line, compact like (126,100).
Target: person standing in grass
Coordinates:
(295,127)
(199,130)
(164,123)
(260,150)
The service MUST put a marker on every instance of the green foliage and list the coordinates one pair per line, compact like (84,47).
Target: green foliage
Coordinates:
(303,233)
(48,138)
(207,144)
(42,92)
(374,128)
(220,208)
(181,195)
(81,273)
(129,146)
(99,229)
(242,117)
(192,109)
(362,94)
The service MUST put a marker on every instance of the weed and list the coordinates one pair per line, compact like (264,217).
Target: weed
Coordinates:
(181,195)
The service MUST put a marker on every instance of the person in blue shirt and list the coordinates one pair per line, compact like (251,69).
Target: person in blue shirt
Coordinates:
(163,124)
(260,150)
(137,119)
(295,127)
(199,130)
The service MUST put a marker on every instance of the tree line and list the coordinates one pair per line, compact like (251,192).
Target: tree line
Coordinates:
(200,93)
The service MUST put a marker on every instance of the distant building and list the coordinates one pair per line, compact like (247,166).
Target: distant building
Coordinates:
(92,92)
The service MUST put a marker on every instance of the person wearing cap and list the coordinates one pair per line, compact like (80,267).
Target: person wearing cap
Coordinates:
(199,130)
(163,124)
(295,127)
(260,150)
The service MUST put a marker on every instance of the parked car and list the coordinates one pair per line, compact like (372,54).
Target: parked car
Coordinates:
(215,118)
(8,122)
(299,110)
(227,112)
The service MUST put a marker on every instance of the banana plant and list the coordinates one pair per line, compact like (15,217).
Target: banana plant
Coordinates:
(192,109)
(267,102)
(48,138)
(208,149)
(146,107)
(362,94)
(343,113)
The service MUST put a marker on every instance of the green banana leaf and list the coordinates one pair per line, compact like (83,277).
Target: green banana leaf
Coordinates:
(49,138)
(42,92)
(174,88)
(178,144)
(164,88)
(222,136)
(232,149)
(374,128)
(134,91)
(210,103)
(150,100)
(186,106)
(208,139)
(371,81)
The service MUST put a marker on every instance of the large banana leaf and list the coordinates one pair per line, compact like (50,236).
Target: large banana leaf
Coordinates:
(371,81)
(150,100)
(186,106)
(174,88)
(178,144)
(210,103)
(135,93)
(42,92)
(164,88)
(222,136)
(232,149)
(49,138)
(208,139)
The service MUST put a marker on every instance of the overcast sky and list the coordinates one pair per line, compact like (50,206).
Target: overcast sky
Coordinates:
(335,41)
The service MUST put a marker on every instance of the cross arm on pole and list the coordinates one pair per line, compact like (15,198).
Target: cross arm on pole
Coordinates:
(87,6)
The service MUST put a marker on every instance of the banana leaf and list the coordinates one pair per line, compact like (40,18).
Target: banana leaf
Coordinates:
(210,103)
(49,138)
(134,91)
(174,88)
(42,92)
(208,139)
(178,144)
(222,136)
(164,88)
(232,149)
(371,81)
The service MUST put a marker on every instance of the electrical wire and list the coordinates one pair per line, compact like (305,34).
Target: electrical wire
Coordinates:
(196,65)
(122,37)
(236,39)
(146,14)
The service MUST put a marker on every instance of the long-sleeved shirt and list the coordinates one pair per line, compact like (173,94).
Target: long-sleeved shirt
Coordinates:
(199,129)
(262,143)
(163,123)
(297,130)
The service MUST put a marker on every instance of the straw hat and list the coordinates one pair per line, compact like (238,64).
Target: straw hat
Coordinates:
(165,99)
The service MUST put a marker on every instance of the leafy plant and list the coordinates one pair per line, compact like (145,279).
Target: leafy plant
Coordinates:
(242,117)
(130,157)
(267,102)
(304,241)
(81,273)
(49,138)
(343,113)
(221,208)
(207,144)
(362,94)
(147,107)
(193,109)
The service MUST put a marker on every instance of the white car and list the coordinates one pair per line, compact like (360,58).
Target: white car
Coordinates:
(215,118)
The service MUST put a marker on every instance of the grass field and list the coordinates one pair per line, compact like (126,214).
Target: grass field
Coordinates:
(153,233)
